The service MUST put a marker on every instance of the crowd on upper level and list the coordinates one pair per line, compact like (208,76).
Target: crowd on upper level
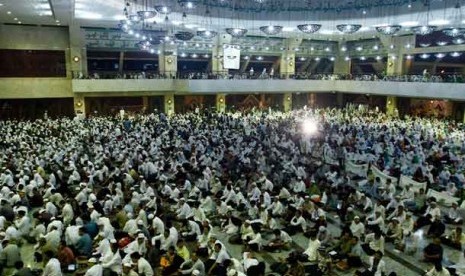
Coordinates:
(264,75)
(173,195)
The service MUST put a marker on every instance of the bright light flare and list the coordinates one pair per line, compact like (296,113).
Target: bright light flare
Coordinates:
(309,126)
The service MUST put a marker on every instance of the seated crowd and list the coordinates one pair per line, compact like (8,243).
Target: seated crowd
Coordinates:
(172,196)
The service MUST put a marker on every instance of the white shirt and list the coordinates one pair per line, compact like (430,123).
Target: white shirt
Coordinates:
(143,267)
(312,250)
(52,268)
(95,270)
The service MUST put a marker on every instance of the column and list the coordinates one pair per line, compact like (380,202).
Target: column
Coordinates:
(169,104)
(391,106)
(79,104)
(312,100)
(287,60)
(220,103)
(168,61)
(287,64)
(121,62)
(287,102)
(76,56)
(145,104)
(341,65)
(217,53)
(397,47)
(339,99)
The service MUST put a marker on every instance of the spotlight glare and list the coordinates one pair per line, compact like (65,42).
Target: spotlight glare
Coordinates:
(309,126)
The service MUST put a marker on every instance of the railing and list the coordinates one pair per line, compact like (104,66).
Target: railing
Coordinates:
(448,78)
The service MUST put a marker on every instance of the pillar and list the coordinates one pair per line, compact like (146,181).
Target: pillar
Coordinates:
(121,62)
(287,59)
(221,103)
(287,102)
(396,56)
(217,53)
(76,56)
(312,100)
(340,99)
(391,106)
(168,61)
(287,64)
(169,104)
(341,65)
(145,104)
(79,105)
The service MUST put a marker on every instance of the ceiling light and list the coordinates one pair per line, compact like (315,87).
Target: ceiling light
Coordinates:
(409,57)
(425,44)
(442,43)
(327,49)
(359,48)
(206,56)
(343,48)
(388,29)
(348,28)
(424,56)
(271,30)
(246,57)
(347,58)
(408,46)
(332,58)
(183,55)
(376,47)
(302,59)
(259,58)
(267,48)
(363,58)
(440,55)
(424,30)
(57,21)
(309,28)
(378,58)
(455,54)
(317,59)
(454,32)
(236,32)
(194,56)
(15,19)
(134,18)
(206,34)
(8,12)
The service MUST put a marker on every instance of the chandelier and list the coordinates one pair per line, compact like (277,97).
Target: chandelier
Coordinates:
(184,36)
(388,29)
(188,4)
(145,14)
(424,30)
(271,30)
(207,34)
(236,32)
(163,9)
(348,28)
(454,32)
(309,28)
(458,41)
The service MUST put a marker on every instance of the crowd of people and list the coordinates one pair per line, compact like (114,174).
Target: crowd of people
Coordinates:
(157,195)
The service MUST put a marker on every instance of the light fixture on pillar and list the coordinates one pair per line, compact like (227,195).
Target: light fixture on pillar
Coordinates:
(236,32)
(348,28)
(309,28)
(271,29)
(76,59)
(388,29)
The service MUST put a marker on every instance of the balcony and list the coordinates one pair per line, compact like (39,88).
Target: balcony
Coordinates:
(452,91)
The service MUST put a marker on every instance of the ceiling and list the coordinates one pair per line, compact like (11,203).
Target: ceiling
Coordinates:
(250,14)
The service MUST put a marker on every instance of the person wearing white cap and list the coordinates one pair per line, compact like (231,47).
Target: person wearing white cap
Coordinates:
(111,259)
(139,245)
(127,270)
(184,211)
(95,268)
(357,228)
